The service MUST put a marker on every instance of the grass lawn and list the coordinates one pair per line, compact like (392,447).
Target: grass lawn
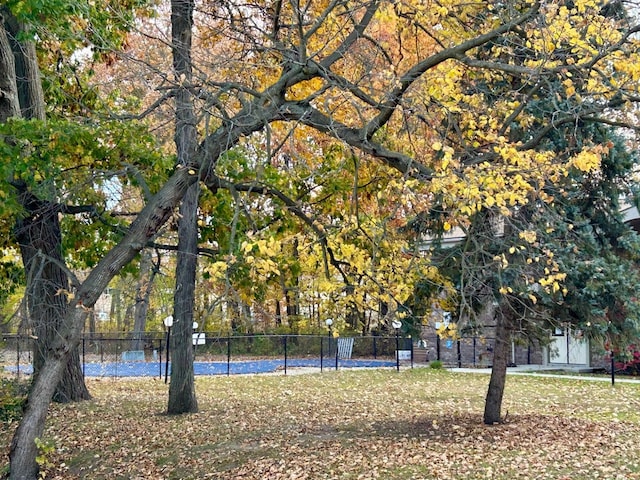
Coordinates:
(365,424)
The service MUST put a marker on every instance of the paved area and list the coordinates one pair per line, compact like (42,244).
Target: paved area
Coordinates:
(550,372)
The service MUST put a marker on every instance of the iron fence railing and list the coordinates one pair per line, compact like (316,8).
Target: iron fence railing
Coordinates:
(145,354)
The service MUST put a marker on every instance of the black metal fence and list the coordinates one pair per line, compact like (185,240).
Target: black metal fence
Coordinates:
(472,351)
(118,351)
(148,352)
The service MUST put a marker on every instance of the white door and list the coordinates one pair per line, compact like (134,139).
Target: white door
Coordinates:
(568,349)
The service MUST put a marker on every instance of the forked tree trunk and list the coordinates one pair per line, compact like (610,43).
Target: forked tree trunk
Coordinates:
(495,392)
(23,449)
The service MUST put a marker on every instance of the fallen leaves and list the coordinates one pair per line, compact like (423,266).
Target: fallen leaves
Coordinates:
(419,424)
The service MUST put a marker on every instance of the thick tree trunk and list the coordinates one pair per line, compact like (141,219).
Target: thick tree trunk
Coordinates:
(38,234)
(182,393)
(9,104)
(23,449)
(40,241)
(27,71)
(495,392)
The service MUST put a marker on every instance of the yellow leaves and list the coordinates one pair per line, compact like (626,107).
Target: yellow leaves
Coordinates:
(9,255)
(569,88)
(261,256)
(217,270)
(304,89)
(504,263)
(69,295)
(529,236)
(269,248)
(448,330)
(552,282)
(587,160)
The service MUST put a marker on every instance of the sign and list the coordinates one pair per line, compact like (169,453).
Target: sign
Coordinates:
(404,354)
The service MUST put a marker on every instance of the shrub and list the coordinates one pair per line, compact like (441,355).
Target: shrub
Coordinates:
(13,395)
(436,364)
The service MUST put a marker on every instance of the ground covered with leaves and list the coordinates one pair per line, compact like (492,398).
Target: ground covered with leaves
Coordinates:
(416,424)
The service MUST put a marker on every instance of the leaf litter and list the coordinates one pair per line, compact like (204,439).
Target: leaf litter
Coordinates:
(418,424)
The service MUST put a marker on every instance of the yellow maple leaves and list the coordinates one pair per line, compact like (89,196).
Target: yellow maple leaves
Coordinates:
(588,160)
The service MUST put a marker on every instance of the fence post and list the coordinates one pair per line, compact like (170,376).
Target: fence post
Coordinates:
(160,358)
(321,352)
(285,353)
(459,355)
(228,356)
(437,347)
(411,353)
(18,357)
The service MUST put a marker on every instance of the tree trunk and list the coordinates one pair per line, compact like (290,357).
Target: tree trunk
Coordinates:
(182,394)
(38,234)
(495,392)
(23,451)
(26,69)
(40,241)
(9,104)
(146,276)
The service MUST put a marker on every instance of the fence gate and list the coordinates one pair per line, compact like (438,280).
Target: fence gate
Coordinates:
(345,347)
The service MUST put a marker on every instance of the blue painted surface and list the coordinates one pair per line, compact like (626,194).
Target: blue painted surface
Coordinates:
(156,369)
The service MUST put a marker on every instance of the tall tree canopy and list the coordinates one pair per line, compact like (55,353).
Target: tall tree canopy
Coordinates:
(447,95)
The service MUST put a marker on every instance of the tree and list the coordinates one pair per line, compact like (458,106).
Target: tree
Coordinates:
(182,397)
(37,231)
(333,68)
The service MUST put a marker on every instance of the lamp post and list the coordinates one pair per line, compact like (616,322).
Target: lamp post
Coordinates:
(168,322)
(396,324)
(329,323)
